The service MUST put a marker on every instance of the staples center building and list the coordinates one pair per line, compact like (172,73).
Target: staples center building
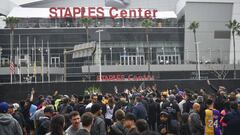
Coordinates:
(50,41)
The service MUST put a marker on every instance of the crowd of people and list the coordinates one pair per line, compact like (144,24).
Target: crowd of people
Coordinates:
(138,111)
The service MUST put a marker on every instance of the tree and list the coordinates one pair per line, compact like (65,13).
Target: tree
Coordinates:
(11,23)
(234,27)
(220,72)
(86,22)
(147,23)
(193,26)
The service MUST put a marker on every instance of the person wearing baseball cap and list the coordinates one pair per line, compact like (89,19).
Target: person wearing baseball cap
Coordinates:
(167,125)
(45,121)
(8,125)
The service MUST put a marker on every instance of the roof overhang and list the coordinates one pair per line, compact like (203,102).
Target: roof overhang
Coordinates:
(6,6)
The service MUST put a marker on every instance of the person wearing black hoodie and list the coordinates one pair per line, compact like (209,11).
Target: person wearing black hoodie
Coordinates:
(233,120)
(8,125)
(152,114)
(168,125)
(118,128)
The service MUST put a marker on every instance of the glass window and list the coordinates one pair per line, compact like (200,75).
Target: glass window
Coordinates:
(134,60)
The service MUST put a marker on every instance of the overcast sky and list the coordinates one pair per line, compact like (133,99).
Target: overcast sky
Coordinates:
(19,2)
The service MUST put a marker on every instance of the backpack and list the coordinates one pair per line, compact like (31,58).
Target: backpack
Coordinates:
(170,109)
(116,129)
(65,109)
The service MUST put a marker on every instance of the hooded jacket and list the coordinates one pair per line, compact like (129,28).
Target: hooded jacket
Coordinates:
(195,124)
(9,125)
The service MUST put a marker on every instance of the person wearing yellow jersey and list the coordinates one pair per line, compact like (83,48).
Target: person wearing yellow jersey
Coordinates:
(212,119)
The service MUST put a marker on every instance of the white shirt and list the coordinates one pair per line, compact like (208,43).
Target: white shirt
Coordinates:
(109,112)
(180,104)
(89,105)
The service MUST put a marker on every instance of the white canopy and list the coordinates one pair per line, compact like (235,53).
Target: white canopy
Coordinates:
(19,12)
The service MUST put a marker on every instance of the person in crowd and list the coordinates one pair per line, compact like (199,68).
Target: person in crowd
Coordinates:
(152,114)
(163,100)
(224,112)
(139,109)
(168,125)
(184,127)
(200,100)
(150,133)
(57,125)
(130,124)
(212,119)
(13,110)
(187,106)
(28,109)
(75,123)
(220,96)
(94,99)
(183,101)
(142,126)
(39,101)
(40,113)
(109,112)
(80,106)
(232,120)
(121,103)
(87,121)
(44,121)
(8,125)
(145,101)
(65,107)
(98,127)
(130,105)
(194,122)
(172,108)
(118,127)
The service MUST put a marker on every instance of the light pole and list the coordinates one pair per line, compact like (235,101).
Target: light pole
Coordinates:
(99,47)
(137,58)
(221,58)
(198,67)
(111,54)
(28,60)
(175,53)
(48,61)
(1,56)
(163,55)
(65,65)
(35,61)
(210,55)
(124,56)
(20,60)
(42,61)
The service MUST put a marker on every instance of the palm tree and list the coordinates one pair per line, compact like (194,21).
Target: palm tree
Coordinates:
(11,23)
(234,27)
(193,26)
(87,22)
(147,23)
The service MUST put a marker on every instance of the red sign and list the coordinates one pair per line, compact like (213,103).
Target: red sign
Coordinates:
(99,12)
(130,77)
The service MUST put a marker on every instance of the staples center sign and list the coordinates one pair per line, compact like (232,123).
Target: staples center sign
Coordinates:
(100,12)
(130,77)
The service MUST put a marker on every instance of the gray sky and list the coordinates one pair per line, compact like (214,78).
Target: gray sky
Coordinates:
(19,2)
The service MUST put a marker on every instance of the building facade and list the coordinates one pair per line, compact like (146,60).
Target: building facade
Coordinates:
(128,50)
